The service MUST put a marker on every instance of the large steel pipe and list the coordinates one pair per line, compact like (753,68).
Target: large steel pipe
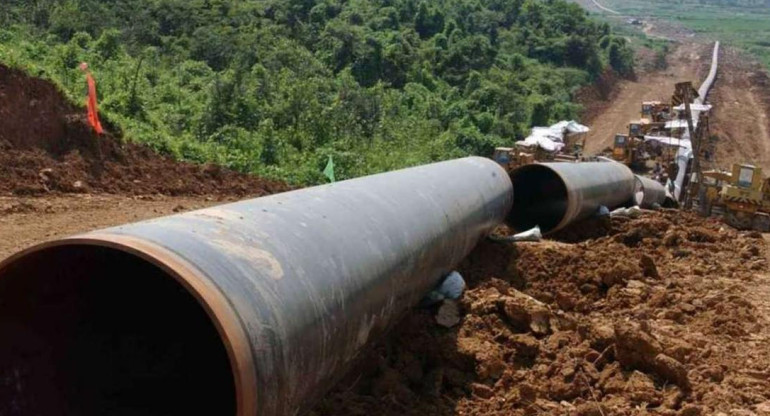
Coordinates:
(252,308)
(554,195)
(705,87)
(649,193)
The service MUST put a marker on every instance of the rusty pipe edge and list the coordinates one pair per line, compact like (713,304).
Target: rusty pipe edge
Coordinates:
(298,283)
(209,297)
(554,195)
(648,192)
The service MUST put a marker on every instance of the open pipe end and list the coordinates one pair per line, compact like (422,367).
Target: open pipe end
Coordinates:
(94,329)
(541,199)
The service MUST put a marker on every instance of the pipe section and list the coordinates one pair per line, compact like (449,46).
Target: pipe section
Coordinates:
(554,195)
(255,307)
(649,193)
(705,87)
(684,155)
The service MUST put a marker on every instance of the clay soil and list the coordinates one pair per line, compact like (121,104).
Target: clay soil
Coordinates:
(46,147)
(741,119)
(666,314)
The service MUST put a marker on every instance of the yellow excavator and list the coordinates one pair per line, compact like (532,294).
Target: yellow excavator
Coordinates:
(709,191)
(744,196)
(655,111)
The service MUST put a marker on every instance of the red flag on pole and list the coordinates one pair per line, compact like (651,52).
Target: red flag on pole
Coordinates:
(93,110)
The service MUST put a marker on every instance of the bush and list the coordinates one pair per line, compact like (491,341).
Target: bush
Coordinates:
(274,87)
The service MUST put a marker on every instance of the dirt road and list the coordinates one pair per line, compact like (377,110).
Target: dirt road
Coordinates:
(613,116)
(27,221)
(606,9)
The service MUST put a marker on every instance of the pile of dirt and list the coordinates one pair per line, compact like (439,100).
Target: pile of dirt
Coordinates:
(651,318)
(46,146)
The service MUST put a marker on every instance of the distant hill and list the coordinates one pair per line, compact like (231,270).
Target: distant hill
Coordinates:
(275,87)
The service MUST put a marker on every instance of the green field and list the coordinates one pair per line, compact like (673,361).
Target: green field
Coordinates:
(745,24)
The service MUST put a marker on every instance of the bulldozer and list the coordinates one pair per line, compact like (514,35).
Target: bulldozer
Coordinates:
(655,111)
(644,127)
(745,197)
(622,148)
(629,150)
(513,157)
(709,191)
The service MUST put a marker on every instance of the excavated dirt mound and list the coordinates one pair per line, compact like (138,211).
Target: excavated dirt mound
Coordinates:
(46,146)
(650,318)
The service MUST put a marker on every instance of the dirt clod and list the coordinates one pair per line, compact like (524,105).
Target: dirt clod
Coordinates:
(648,267)
(594,327)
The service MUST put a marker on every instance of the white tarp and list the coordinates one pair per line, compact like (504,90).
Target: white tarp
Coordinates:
(677,124)
(551,139)
(694,107)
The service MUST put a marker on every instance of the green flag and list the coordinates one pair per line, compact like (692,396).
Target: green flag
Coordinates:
(329,170)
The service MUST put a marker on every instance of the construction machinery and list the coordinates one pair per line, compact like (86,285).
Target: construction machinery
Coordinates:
(745,199)
(561,142)
(629,150)
(743,195)
(656,111)
(709,190)
(511,158)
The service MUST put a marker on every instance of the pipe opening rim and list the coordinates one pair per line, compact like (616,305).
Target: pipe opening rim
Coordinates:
(219,311)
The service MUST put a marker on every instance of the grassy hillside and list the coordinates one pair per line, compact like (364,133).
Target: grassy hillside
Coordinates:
(275,87)
(741,23)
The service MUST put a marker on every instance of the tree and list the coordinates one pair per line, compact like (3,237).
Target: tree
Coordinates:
(428,21)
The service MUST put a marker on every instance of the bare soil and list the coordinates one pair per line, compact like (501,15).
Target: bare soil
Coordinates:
(741,115)
(653,318)
(47,147)
(25,221)
(610,113)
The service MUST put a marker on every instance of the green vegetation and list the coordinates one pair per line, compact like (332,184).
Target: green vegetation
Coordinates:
(275,87)
(741,23)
